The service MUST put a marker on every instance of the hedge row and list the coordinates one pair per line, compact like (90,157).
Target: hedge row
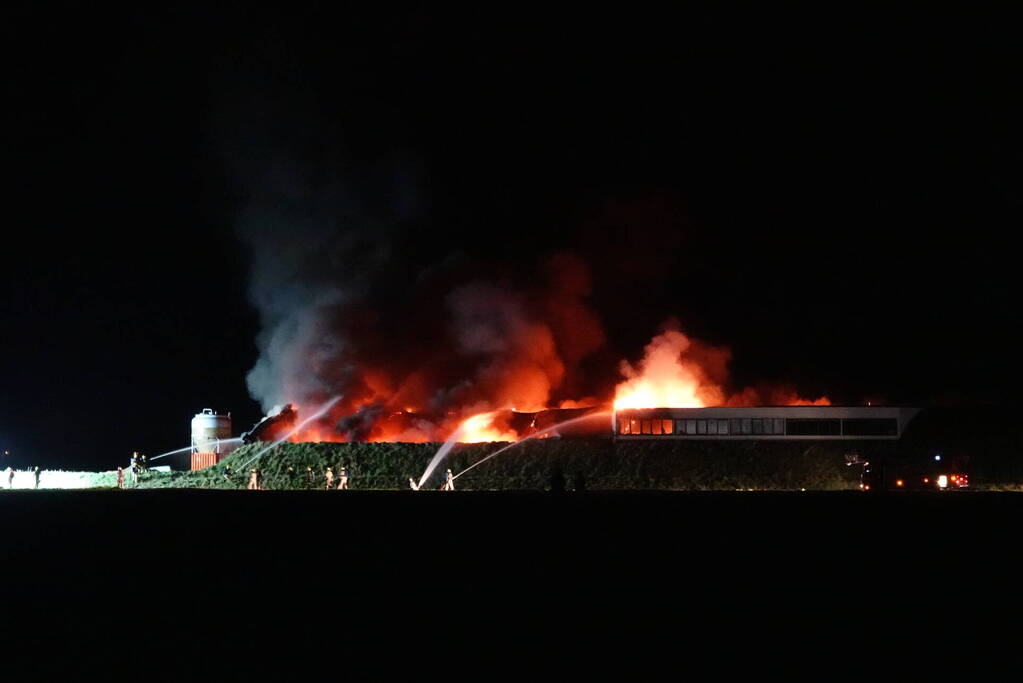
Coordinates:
(598,464)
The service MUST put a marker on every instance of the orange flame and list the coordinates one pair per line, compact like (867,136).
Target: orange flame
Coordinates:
(481,428)
(665,378)
(679,372)
(676,371)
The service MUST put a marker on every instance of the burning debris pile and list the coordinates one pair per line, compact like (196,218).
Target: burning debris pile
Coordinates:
(272,427)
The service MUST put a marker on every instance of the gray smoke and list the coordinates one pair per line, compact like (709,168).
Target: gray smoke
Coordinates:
(319,230)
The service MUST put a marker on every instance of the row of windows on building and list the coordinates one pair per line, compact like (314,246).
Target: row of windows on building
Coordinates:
(771,426)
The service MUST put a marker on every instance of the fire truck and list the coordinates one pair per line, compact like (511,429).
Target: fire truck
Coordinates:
(938,474)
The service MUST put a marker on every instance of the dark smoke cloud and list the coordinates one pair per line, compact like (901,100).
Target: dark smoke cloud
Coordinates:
(421,311)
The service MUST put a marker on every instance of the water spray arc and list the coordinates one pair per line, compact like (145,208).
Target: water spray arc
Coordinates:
(449,444)
(299,427)
(442,453)
(188,448)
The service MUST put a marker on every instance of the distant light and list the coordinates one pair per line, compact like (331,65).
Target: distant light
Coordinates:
(937,457)
(898,482)
(942,481)
(926,480)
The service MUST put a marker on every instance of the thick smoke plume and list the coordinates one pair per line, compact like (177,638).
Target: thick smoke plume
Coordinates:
(364,293)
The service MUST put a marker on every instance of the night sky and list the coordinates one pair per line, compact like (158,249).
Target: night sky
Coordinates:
(833,196)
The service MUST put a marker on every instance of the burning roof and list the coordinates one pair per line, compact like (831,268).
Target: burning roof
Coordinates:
(675,372)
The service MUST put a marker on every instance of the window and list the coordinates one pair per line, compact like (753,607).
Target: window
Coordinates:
(801,427)
(667,425)
(758,426)
(623,427)
(735,426)
(701,426)
(646,426)
(870,427)
(712,426)
(680,426)
(655,426)
(779,425)
(747,426)
(634,426)
(690,426)
(722,426)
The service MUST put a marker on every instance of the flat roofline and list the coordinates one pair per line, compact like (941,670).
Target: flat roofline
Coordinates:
(845,406)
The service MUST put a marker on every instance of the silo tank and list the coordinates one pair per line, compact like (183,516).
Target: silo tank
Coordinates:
(209,431)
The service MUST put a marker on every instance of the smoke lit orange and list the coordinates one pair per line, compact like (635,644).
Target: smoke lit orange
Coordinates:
(675,371)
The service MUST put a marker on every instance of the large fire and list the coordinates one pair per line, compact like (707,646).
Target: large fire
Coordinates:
(481,428)
(675,371)
(666,378)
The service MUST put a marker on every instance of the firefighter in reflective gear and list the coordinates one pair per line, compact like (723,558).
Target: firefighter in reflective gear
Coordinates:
(253,480)
(329,477)
(120,477)
(342,480)
(10,477)
(449,482)
(227,473)
(412,484)
(36,472)
(309,476)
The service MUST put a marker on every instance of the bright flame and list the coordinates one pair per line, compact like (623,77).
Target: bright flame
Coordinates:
(676,371)
(481,428)
(665,378)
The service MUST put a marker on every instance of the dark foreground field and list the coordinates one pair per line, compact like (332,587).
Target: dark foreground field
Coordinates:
(181,578)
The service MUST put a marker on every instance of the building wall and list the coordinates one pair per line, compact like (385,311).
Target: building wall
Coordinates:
(769,423)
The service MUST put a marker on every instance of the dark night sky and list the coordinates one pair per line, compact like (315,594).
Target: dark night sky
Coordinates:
(833,196)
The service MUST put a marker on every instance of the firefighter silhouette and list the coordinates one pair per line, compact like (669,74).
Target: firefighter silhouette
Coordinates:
(329,478)
(342,484)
